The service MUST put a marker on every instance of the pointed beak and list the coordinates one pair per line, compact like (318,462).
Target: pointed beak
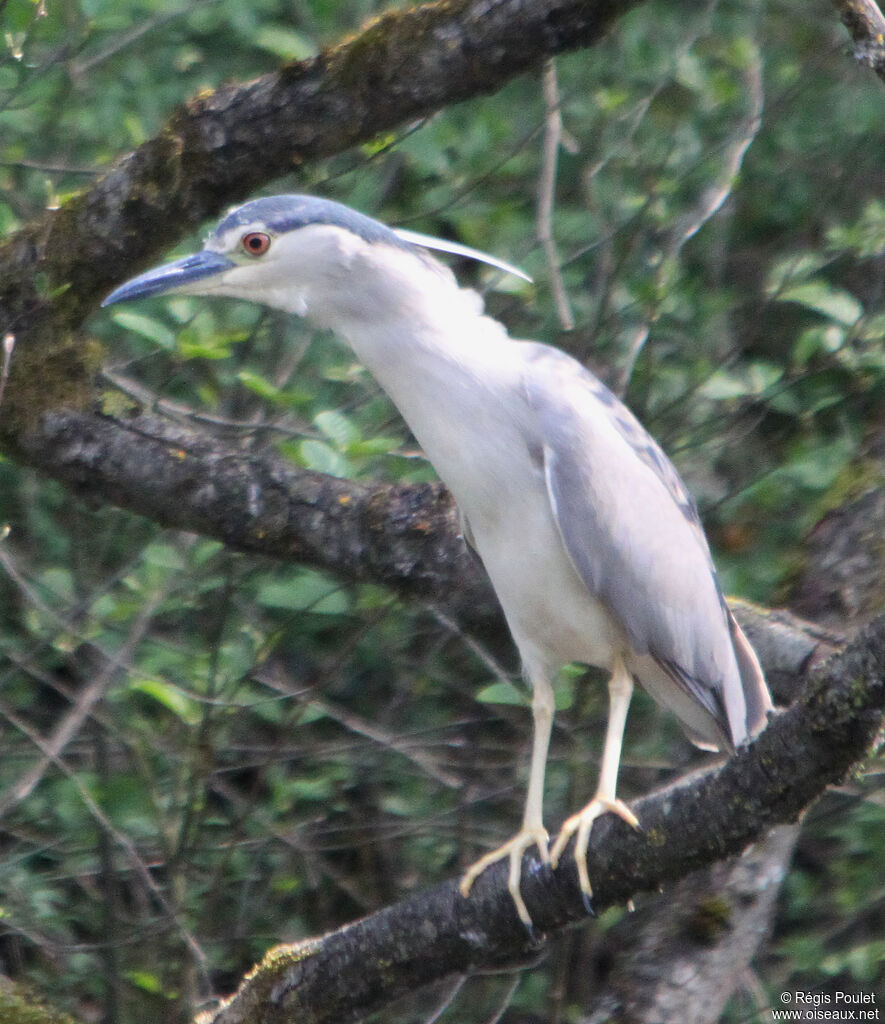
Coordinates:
(173,277)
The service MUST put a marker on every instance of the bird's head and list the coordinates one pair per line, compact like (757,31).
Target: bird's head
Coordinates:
(303,255)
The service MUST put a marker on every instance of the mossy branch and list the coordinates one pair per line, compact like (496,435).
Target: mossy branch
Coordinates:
(220,146)
(434,934)
(866,25)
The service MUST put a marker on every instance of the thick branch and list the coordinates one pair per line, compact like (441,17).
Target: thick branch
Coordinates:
(864,21)
(405,537)
(681,956)
(219,147)
(436,933)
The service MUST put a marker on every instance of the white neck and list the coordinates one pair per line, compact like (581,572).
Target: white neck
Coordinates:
(430,346)
(409,322)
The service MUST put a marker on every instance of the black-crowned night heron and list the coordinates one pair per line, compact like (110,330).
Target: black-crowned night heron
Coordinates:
(591,541)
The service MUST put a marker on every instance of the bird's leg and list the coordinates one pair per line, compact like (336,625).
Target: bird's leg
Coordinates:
(620,690)
(532,832)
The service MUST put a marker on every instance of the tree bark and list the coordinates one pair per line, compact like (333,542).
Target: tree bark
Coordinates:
(436,933)
(865,23)
(217,148)
(214,151)
(682,955)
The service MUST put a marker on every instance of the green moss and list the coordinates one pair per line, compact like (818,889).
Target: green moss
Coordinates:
(254,993)
(117,404)
(19,1007)
(853,482)
(710,918)
(48,370)
(390,41)
(656,837)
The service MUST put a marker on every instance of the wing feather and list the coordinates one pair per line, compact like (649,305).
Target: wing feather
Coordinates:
(633,534)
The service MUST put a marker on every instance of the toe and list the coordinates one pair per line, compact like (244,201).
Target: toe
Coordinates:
(513,851)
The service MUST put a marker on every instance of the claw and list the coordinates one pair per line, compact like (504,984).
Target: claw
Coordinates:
(582,823)
(513,850)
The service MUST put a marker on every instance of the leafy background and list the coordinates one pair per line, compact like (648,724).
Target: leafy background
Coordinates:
(278,753)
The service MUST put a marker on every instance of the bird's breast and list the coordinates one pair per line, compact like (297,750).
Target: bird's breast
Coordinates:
(551,613)
(500,487)
(467,411)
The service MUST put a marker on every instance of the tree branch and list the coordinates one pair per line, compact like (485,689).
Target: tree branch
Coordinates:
(682,955)
(864,21)
(434,934)
(405,537)
(219,147)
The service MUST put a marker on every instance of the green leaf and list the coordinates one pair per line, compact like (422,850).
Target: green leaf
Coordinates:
(147,981)
(753,379)
(163,556)
(260,385)
(200,350)
(147,326)
(337,428)
(285,43)
(323,458)
(820,296)
(503,693)
(866,236)
(793,268)
(172,697)
(822,339)
(374,446)
(60,582)
(305,591)
(564,691)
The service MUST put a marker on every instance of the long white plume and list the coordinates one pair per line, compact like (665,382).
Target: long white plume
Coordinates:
(456,249)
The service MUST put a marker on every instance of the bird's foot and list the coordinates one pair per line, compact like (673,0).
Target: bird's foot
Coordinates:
(513,850)
(582,823)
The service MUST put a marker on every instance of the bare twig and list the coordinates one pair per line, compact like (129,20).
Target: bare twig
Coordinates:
(708,205)
(451,993)
(149,399)
(51,168)
(712,198)
(72,722)
(361,727)
(51,755)
(81,68)
(8,346)
(506,1001)
(553,139)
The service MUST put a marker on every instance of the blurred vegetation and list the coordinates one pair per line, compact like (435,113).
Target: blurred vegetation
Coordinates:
(275,753)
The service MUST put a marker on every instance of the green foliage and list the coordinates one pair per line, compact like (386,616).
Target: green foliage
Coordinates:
(275,752)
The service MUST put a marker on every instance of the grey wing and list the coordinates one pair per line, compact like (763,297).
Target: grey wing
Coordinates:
(633,534)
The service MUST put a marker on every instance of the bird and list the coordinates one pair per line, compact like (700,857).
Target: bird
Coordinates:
(592,542)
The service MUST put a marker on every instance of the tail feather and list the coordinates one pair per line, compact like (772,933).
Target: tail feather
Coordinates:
(756,695)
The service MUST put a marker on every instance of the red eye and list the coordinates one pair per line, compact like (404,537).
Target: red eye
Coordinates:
(256,243)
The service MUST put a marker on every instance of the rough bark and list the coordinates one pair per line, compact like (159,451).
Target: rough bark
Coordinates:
(682,955)
(405,65)
(405,537)
(221,146)
(865,23)
(694,823)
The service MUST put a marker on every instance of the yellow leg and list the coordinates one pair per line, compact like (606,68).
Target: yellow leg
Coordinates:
(620,690)
(532,832)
